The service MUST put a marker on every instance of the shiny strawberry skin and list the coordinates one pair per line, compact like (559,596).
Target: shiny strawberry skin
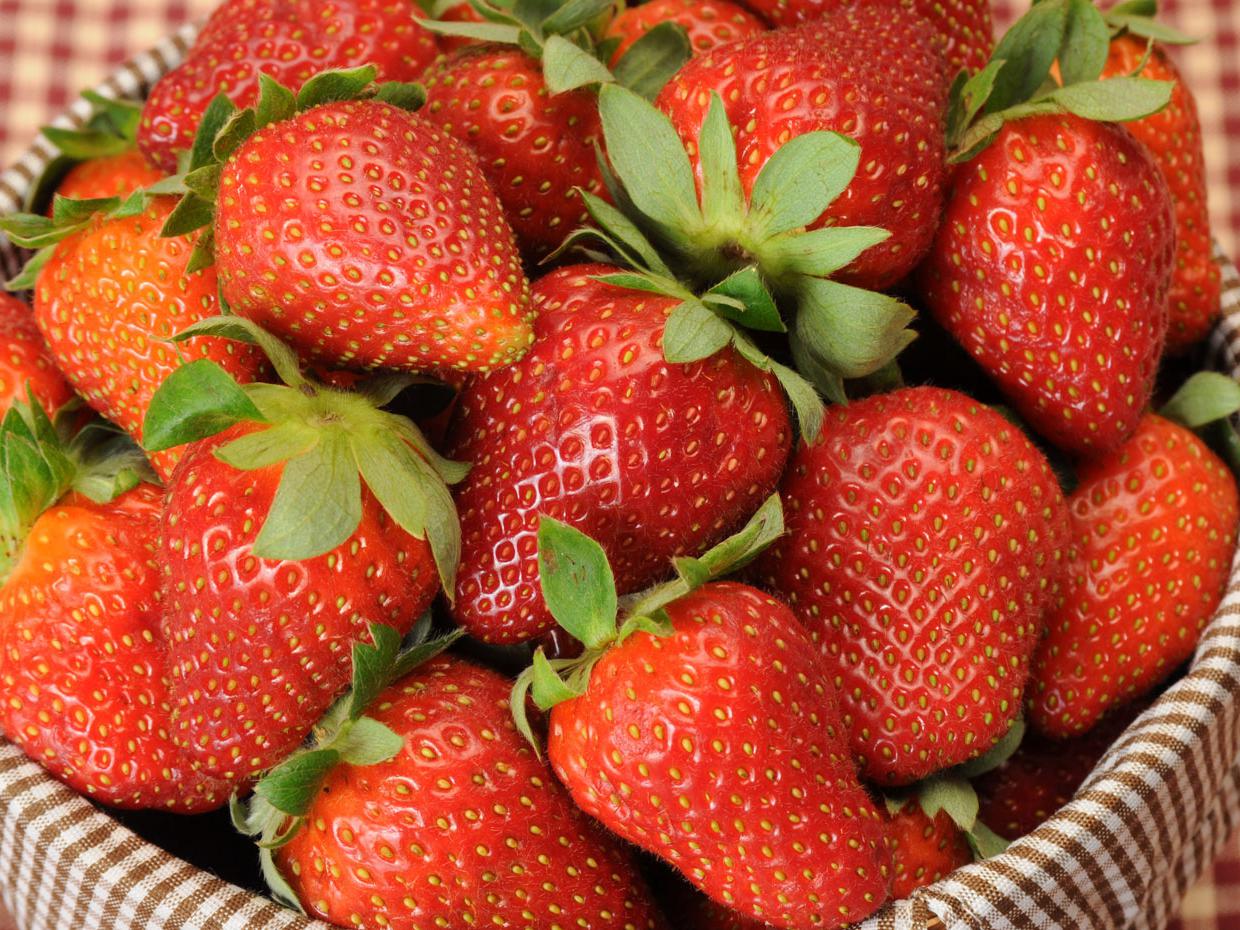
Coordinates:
(695,911)
(259,648)
(838,74)
(926,540)
(290,40)
(107,303)
(595,428)
(26,360)
(1173,136)
(367,238)
(720,749)
(534,147)
(82,662)
(465,821)
(109,176)
(708,23)
(964,28)
(924,850)
(1154,526)
(1051,268)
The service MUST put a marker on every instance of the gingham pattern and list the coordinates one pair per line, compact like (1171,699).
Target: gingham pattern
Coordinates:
(1121,855)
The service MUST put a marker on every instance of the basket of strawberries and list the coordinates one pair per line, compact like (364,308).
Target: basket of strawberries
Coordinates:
(547,465)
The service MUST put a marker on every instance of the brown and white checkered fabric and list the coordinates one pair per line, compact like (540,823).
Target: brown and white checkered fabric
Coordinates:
(1121,855)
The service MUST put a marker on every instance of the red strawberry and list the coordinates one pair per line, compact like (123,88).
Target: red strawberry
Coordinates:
(108,176)
(81,661)
(25,361)
(1155,525)
(1051,268)
(290,40)
(964,27)
(594,427)
(465,824)
(923,849)
(535,147)
(926,538)
(848,78)
(695,911)
(375,241)
(458,13)
(1173,135)
(708,22)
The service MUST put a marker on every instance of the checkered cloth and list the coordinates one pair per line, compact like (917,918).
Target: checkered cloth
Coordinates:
(1121,856)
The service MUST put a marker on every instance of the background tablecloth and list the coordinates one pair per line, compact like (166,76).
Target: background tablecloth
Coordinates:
(49,49)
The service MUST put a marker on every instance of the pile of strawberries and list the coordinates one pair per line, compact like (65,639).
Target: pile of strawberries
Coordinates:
(554,465)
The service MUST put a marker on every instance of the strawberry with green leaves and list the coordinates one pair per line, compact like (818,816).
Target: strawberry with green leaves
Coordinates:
(288,40)
(926,541)
(355,229)
(433,805)
(1055,254)
(1154,525)
(298,516)
(597,428)
(707,23)
(26,364)
(924,849)
(82,663)
(701,725)
(99,158)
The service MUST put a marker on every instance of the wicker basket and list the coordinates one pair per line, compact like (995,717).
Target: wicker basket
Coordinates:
(1146,823)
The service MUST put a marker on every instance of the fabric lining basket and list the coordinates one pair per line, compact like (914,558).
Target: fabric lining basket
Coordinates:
(1121,855)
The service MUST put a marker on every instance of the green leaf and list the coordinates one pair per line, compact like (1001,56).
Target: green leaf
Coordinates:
(277,884)
(497,33)
(741,548)
(517,706)
(291,786)
(318,503)
(283,359)
(28,277)
(999,753)
(567,66)
(240,126)
(805,401)
(819,253)
(402,95)
(1116,100)
(853,332)
(173,185)
(69,212)
(219,111)
(985,843)
(366,741)
(422,653)
(649,63)
(84,144)
(954,795)
(276,103)
(723,198)
(262,448)
(647,283)
(800,181)
(205,182)
(659,625)
(1148,28)
(638,250)
(650,160)
(331,86)
(971,96)
(572,15)
(193,212)
(373,663)
(1205,397)
(549,689)
(1086,44)
(577,582)
(757,307)
(1030,47)
(197,400)
(693,332)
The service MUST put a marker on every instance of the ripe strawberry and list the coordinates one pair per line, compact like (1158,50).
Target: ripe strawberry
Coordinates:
(703,727)
(1173,136)
(1051,268)
(595,427)
(695,911)
(289,40)
(108,176)
(848,80)
(25,361)
(81,661)
(464,821)
(964,28)
(1155,525)
(926,540)
(708,22)
(923,849)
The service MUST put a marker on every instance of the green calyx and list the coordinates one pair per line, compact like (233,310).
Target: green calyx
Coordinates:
(224,128)
(329,441)
(283,796)
(111,130)
(580,591)
(1207,404)
(565,36)
(742,263)
(1019,81)
(41,460)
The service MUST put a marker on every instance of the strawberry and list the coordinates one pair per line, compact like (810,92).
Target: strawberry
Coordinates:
(924,849)
(375,243)
(463,820)
(698,912)
(109,295)
(288,40)
(708,23)
(1173,136)
(703,727)
(108,176)
(926,539)
(100,159)
(25,362)
(1154,524)
(964,28)
(81,661)
(848,79)
(595,427)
